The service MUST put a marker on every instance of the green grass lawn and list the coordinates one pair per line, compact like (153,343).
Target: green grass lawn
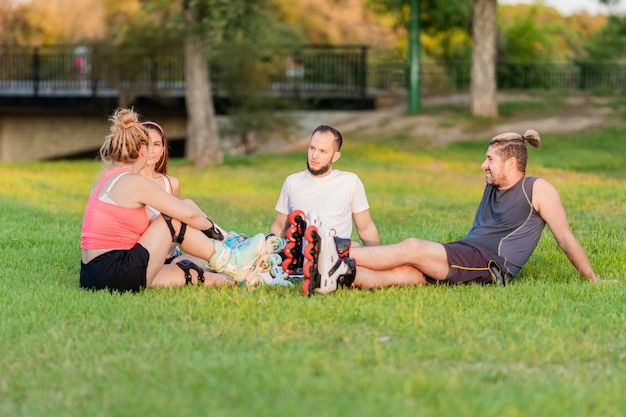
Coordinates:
(549,344)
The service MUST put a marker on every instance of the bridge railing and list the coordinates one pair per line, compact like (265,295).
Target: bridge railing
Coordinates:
(101,71)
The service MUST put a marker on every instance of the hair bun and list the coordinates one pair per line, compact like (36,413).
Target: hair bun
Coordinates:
(532,137)
(125,118)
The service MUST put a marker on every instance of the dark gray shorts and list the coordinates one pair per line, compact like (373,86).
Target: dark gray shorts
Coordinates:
(116,270)
(469,263)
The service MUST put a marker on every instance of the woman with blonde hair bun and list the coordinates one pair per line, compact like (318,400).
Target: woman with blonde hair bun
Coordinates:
(121,250)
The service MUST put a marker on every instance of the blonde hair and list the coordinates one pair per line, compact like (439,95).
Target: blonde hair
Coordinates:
(125,139)
(511,145)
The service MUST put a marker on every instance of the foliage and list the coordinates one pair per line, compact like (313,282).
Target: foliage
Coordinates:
(15,26)
(449,46)
(64,21)
(532,36)
(609,2)
(608,44)
(243,69)
(435,14)
(528,32)
(244,72)
(338,22)
(444,25)
(539,34)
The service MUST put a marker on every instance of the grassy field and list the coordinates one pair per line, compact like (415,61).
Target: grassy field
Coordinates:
(549,344)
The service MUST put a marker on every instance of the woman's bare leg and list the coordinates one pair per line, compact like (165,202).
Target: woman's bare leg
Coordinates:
(157,240)
(211,279)
(172,275)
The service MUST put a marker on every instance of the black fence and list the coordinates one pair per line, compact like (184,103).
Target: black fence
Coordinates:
(455,77)
(308,71)
(103,71)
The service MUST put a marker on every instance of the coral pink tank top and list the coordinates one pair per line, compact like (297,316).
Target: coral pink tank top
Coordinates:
(107,225)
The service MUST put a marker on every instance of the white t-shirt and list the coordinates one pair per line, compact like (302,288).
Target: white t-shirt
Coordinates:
(334,197)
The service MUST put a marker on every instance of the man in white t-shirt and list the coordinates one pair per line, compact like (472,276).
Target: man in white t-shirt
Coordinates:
(338,197)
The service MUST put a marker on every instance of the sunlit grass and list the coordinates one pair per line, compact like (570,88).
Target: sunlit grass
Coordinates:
(549,344)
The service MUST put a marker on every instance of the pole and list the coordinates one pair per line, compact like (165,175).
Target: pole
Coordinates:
(414,58)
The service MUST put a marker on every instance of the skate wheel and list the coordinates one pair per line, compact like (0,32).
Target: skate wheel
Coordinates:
(306,270)
(289,268)
(305,286)
(310,252)
(293,233)
(290,250)
(311,233)
(294,214)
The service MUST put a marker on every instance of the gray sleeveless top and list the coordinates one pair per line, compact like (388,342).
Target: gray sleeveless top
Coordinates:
(507,224)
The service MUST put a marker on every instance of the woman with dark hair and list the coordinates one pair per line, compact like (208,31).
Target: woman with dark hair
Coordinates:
(156,170)
(156,165)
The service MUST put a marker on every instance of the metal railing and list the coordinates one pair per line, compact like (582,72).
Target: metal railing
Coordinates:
(455,77)
(103,71)
(99,70)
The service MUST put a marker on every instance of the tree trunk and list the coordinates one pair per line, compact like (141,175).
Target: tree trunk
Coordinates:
(203,142)
(483,83)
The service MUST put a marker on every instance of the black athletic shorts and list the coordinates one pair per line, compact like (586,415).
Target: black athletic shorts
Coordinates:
(117,270)
(470,263)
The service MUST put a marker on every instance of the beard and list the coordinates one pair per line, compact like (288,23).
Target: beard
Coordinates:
(316,172)
(496,180)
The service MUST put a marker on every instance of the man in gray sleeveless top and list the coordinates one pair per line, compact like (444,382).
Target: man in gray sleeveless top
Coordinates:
(507,226)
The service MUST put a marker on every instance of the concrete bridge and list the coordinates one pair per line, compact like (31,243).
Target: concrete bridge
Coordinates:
(73,127)
(51,107)
(56,131)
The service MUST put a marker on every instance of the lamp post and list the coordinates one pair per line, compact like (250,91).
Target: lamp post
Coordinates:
(414,58)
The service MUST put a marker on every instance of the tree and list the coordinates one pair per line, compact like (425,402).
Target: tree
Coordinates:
(609,44)
(449,14)
(246,67)
(203,142)
(254,113)
(205,26)
(441,21)
(483,86)
(455,13)
(609,2)
(14,25)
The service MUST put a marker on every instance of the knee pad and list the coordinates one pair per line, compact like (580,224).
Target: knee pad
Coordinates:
(181,235)
(186,265)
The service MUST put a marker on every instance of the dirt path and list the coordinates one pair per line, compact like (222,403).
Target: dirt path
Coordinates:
(578,113)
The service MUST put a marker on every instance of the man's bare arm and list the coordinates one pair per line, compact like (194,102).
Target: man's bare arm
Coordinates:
(366,229)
